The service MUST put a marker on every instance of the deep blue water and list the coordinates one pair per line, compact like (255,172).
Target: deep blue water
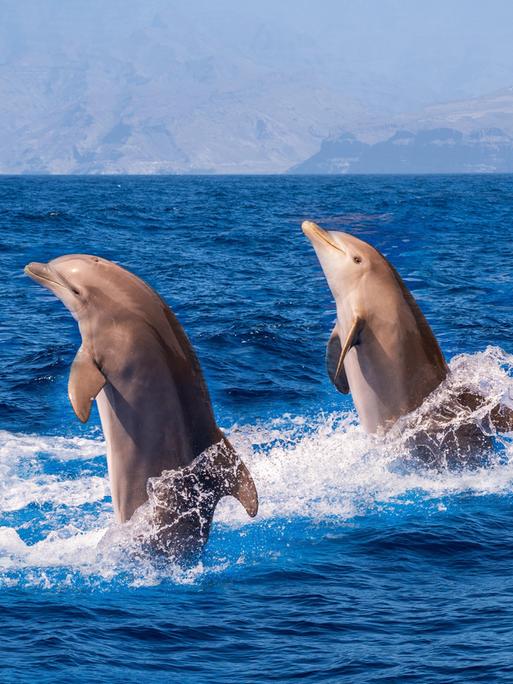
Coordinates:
(356,569)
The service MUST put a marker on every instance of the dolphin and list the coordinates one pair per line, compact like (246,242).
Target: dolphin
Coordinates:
(137,362)
(382,348)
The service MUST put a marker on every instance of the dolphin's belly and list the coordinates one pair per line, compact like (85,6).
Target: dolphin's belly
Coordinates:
(389,381)
(143,440)
(372,413)
(381,388)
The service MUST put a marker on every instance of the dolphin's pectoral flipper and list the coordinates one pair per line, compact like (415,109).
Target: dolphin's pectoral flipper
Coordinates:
(351,341)
(333,351)
(85,382)
(335,354)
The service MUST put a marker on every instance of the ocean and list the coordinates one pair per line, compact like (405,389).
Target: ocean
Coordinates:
(359,567)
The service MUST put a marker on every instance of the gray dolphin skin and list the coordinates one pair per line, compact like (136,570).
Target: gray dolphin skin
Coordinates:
(382,349)
(155,410)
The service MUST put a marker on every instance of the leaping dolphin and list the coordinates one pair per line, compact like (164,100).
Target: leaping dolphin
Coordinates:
(155,410)
(382,348)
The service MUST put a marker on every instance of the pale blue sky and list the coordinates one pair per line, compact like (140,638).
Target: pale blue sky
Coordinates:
(391,53)
(233,85)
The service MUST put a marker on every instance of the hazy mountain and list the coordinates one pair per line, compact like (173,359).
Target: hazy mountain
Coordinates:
(230,86)
(493,110)
(158,87)
(337,155)
(439,150)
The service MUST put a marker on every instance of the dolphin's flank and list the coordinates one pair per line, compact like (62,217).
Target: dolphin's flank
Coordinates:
(137,362)
(383,350)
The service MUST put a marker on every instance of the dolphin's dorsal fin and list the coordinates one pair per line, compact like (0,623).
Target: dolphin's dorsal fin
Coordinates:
(336,353)
(502,418)
(220,472)
(236,479)
(85,382)
(183,501)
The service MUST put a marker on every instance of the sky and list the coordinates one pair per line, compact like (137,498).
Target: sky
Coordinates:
(291,70)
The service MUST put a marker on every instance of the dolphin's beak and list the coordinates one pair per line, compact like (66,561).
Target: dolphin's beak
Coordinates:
(43,274)
(315,234)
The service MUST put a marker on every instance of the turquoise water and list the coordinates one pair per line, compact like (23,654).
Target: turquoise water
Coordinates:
(359,567)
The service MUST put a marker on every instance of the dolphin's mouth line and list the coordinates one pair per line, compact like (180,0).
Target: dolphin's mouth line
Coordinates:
(318,232)
(36,276)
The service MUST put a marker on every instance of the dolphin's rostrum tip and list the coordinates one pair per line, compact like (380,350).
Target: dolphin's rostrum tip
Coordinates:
(307,225)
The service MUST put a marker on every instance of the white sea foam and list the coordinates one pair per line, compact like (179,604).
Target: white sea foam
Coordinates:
(304,468)
(22,480)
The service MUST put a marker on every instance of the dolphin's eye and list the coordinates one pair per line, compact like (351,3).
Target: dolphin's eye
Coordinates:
(357,260)
(75,291)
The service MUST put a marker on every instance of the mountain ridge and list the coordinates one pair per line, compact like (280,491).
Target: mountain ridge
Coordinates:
(437,150)
(198,87)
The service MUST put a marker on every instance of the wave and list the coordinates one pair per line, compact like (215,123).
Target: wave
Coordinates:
(56,515)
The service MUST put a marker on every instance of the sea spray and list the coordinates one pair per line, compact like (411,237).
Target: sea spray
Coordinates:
(310,470)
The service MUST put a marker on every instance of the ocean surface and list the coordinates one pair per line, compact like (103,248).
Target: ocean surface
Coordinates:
(359,567)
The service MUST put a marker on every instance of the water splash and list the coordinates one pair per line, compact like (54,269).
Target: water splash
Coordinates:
(313,469)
